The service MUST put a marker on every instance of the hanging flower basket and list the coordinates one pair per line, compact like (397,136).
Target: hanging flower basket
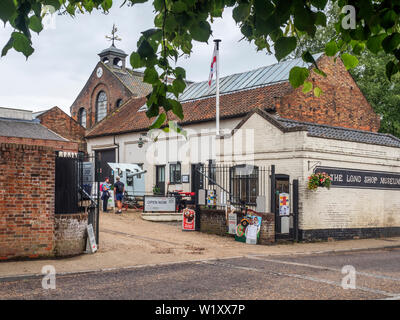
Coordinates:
(319,180)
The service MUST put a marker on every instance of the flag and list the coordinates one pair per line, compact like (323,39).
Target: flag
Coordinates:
(213,65)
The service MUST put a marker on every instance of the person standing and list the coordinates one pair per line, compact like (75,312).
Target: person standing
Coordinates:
(119,189)
(105,188)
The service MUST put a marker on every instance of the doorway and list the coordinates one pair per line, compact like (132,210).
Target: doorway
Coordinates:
(197,177)
(160,179)
(282,222)
(103,169)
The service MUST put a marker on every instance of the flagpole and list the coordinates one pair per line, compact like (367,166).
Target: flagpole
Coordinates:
(217,41)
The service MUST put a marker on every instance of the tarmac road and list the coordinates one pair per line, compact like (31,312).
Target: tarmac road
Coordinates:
(316,276)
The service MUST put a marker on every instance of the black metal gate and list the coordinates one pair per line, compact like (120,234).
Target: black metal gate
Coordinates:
(77,187)
(286,225)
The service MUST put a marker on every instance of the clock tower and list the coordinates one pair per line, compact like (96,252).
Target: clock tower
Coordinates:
(109,86)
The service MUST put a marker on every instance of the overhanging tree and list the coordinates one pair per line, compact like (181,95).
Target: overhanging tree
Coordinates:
(273,25)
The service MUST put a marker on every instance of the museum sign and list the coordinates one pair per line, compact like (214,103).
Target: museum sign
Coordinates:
(353,178)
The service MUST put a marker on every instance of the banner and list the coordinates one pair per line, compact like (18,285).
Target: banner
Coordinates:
(248,230)
(188,219)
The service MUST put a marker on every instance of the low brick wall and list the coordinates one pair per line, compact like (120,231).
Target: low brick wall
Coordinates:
(214,222)
(70,234)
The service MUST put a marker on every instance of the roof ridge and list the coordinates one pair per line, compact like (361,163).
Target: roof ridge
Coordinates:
(336,127)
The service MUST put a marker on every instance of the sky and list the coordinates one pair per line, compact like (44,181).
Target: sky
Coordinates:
(66,54)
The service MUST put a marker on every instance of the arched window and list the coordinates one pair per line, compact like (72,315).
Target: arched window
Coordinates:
(82,117)
(101,106)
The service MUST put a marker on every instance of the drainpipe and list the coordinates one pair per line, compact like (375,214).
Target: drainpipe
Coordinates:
(117,145)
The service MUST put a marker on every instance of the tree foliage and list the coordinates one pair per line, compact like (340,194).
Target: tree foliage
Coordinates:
(276,26)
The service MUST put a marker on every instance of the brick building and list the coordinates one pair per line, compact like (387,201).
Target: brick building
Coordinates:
(28,224)
(287,129)
(59,122)
(110,85)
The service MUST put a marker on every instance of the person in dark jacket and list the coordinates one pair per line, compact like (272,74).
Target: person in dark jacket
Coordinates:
(119,189)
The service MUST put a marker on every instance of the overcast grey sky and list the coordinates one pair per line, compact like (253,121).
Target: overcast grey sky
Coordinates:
(65,56)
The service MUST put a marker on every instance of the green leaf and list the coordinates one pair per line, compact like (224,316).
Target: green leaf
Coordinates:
(152,111)
(35,24)
(358,48)
(319,4)
(7,47)
(179,85)
(7,9)
(331,48)
(391,69)
(179,7)
(201,32)
(180,73)
(136,61)
(145,50)
(22,44)
(307,57)
(150,75)
(349,61)
(176,108)
(297,76)
(391,42)
(284,46)
(158,122)
(320,72)
(374,44)
(320,19)
(317,92)
(307,87)
(241,12)
(54,3)
(389,19)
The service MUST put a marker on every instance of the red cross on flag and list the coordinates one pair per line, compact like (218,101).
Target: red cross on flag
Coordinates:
(213,65)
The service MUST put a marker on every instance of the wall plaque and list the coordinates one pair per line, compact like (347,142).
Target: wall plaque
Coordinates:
(353,178)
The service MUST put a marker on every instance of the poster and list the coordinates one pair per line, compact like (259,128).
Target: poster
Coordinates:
(248,230)
(284,204)
(232,223)
(211,198)
(188,219)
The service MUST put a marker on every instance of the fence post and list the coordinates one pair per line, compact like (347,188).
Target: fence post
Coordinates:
(97,180)
(296,209)
(273,198)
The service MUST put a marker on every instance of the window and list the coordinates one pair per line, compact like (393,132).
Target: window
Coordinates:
(175,172)
(244,184)
(119,102)
(101,106)
(82,117)
(212,172)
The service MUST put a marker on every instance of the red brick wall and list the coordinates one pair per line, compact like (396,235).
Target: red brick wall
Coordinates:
(58,121)
(26,201)
(342,103)
(108,83)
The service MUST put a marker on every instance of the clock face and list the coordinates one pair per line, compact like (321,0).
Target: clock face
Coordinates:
(99,72)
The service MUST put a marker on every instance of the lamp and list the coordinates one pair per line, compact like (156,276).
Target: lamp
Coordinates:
(140,142)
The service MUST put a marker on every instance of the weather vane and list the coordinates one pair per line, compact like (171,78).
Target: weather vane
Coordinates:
(114,35)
